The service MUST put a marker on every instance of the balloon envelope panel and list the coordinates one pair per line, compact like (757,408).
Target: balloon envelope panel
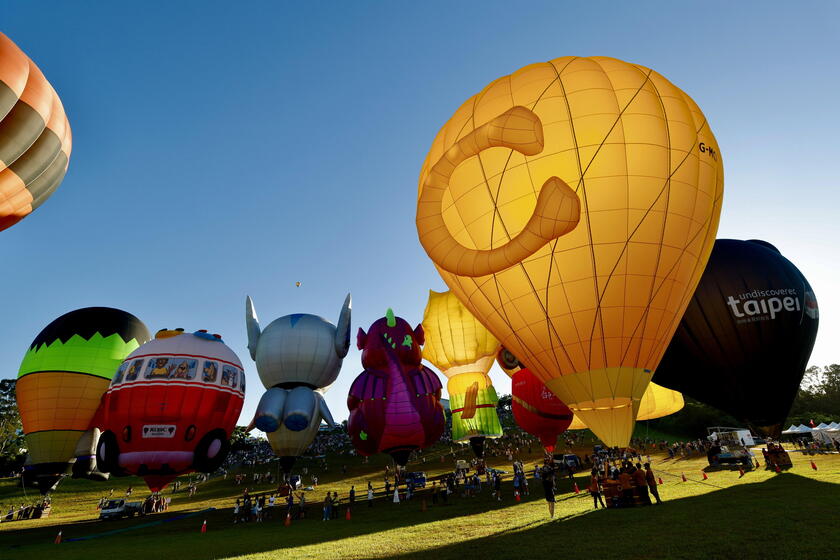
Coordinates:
(585,288)
(63,375)
(35,139)
(744,342)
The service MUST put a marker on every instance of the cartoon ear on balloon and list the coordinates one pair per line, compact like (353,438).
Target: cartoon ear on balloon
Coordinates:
(557,211)
(420,335)
(342,331)
(253,326)
(361,339)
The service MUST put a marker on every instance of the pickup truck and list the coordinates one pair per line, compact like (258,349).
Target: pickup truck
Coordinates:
(116,509)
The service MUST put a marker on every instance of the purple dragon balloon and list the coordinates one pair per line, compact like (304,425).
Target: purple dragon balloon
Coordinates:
(395,402)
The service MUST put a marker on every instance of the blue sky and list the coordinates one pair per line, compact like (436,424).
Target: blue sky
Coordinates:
(224,149)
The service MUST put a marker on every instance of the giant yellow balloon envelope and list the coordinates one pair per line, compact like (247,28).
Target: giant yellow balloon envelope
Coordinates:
(35,137)
(572,207)
(464,350)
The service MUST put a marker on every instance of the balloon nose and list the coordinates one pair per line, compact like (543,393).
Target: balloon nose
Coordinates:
(296,422)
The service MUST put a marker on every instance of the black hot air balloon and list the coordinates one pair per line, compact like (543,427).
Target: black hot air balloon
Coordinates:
(745,339)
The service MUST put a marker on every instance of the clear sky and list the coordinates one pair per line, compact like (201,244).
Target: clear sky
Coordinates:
(232,148)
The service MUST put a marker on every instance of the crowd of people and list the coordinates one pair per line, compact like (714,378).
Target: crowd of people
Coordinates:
(814,446)
(36,510)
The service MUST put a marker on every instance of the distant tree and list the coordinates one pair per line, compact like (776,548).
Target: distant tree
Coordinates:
(239,439)
(818,398)
(504,408)
(11,430)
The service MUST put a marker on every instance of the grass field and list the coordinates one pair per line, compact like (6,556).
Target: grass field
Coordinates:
(762,515)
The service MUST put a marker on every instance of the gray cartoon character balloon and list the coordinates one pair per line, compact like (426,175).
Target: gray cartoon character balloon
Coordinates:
(298,357)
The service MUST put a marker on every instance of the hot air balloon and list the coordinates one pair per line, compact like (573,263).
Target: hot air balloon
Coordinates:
(298,357)
(60,382)
(395,402)
(35,140)
(460,346)
(537,410)
(746,336)
(171,408)
(571,207)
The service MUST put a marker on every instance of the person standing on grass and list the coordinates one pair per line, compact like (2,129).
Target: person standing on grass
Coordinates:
(370,495)
(352,495)
(327,507)
(640,479)
(651,483)
(302,505)
(595,489)
(547,477)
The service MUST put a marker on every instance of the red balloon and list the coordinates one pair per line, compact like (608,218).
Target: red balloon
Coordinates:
(171,408)
(537,410)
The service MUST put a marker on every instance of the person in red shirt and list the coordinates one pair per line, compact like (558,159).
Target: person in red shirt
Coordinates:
(651,483)
(625,480)
(640,480)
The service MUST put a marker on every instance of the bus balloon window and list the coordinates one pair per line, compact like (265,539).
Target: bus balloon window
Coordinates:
(210,372)
(183,369)
(229,376)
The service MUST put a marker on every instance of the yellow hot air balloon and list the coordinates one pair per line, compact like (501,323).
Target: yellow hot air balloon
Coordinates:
(464,350)
(572,207)
(658,401)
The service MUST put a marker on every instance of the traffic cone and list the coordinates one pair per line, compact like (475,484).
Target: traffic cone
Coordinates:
(577,490)
(778,469)
(396,496)
(660,481)
(288,520)
(347,515)
(741,472)
(813,465)
(204,526)
(683,477)
(705,476)
(58,538)
(517,496)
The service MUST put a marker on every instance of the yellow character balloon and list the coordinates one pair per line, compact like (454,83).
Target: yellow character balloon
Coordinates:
(572,207)
(464,350)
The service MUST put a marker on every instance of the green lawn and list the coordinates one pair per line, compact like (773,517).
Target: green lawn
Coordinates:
(762,515)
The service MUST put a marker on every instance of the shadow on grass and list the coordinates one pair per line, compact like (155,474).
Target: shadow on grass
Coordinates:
(787,516)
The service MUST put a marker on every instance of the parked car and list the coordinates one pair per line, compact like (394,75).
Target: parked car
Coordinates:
(417,478)
(116,509)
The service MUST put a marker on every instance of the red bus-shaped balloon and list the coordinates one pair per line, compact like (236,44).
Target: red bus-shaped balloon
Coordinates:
(171,408)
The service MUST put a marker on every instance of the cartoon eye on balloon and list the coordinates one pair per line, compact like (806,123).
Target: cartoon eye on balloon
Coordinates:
(571,207)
